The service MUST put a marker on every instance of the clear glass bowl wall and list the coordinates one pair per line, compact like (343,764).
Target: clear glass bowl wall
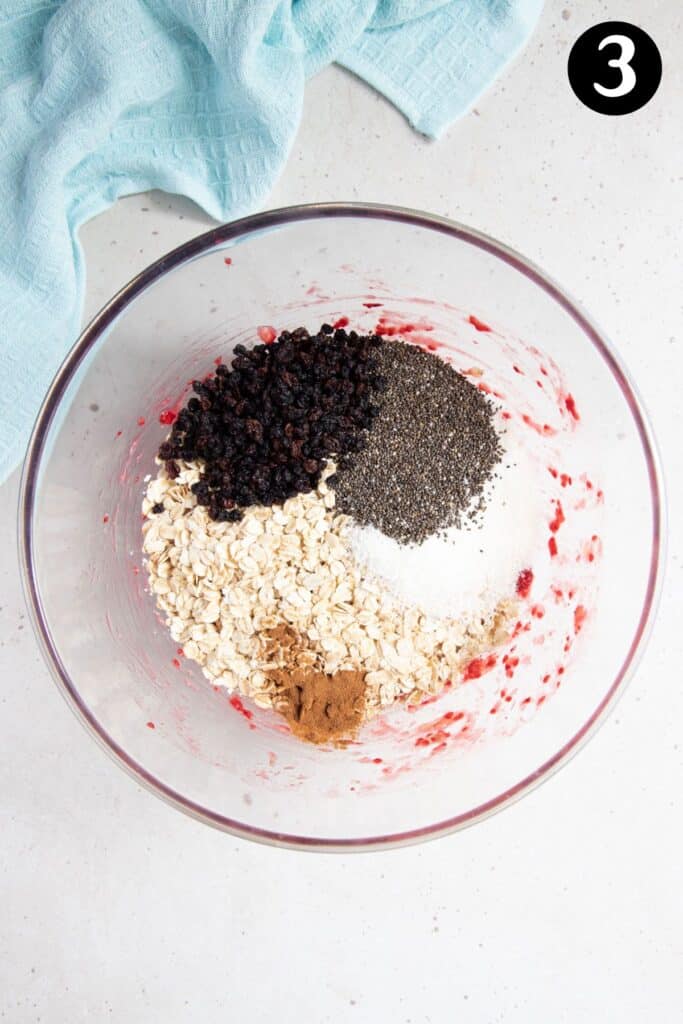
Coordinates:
(81,520)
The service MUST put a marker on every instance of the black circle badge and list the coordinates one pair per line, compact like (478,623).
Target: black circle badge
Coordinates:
(615,68)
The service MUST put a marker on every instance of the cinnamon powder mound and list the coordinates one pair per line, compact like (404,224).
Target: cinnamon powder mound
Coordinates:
(320,708)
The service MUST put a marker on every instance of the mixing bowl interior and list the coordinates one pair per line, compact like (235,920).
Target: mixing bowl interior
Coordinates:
(233,765)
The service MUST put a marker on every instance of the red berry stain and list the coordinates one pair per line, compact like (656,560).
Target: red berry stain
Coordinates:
(507,416)
(478,667)
(559,594)
(180,652)
(167,417)
(479,324)
(580,614)
(544,371)
(237,704)
(571,407)
(538,611)
(228,261)
(524,582)
(151,725)
(558,519)
(343,321)
(552,547)
(373,305)
(592,548)
(218,360)
(436,731)
(118,433)
(544,429)
(553,472)
(436,736)
(267,335)
(546,678)
(517,370)
(377,760)
(510,662)
(175,663)
(105,518)
(389,330)
(485,388)
(141,421)
(565,480)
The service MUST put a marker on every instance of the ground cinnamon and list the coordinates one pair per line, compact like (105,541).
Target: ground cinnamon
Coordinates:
(319,707)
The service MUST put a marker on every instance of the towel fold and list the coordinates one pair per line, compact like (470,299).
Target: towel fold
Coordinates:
(198,97)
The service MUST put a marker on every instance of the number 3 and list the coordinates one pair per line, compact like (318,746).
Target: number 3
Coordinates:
(628,75)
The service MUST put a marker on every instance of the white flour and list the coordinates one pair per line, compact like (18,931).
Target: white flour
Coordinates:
(473,566)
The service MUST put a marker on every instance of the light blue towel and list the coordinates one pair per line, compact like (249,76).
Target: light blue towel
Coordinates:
(99,99)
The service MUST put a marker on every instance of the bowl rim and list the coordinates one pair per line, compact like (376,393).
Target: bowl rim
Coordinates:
(232,231)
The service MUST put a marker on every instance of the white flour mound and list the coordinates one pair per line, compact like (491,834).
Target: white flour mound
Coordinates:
(465,568)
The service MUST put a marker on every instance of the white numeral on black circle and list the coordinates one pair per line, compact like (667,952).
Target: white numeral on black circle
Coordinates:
(622,62)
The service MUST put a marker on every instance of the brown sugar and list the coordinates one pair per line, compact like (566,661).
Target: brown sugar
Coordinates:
(320,708)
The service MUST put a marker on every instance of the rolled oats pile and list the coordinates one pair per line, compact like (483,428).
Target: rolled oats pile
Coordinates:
(250,560)
(224,585)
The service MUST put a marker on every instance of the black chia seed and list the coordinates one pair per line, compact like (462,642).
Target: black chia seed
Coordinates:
(263,428)
(429,454)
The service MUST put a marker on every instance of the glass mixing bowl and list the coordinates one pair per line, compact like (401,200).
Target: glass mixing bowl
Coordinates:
(414,773)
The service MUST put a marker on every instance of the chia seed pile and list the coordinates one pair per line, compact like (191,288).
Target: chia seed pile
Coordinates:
(432,449)
(264,471)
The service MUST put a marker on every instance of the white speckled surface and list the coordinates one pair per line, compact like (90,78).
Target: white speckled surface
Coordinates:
(566,907)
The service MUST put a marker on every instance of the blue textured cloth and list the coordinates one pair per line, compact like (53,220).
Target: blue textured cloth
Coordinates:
(100,99)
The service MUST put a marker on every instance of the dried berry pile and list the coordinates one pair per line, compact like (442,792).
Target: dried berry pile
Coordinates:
(262,429)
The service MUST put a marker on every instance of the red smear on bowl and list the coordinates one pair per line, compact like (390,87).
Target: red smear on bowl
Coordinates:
(524,582)
(267,334)
(558,519)
(479,666)
(571,407)
(580,615)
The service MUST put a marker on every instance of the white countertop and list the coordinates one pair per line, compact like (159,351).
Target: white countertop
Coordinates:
(565,907)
